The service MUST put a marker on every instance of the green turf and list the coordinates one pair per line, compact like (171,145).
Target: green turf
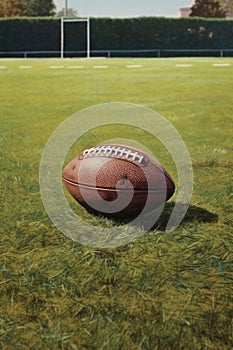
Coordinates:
(163,291)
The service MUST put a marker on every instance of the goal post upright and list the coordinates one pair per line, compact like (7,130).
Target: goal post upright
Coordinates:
(62,37)
(80,19)
(88,37)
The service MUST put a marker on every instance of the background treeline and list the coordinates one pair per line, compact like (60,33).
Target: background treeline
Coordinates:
(43,34)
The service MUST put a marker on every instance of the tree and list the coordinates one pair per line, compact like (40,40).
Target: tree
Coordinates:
(11,8)
(34,8)
(208,8)
(70,13)
(227,6)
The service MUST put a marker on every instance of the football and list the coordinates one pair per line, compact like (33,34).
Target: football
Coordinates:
(117,181)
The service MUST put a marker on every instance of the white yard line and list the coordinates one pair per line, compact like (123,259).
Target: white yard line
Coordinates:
(75,67)
(25,67)
(221,65)
(183,65)
(56,67)
(100,67)
(134,66)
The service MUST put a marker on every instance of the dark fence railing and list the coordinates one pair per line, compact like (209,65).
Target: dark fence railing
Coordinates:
(120,53)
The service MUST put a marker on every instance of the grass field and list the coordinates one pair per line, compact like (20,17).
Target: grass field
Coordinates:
(163,291)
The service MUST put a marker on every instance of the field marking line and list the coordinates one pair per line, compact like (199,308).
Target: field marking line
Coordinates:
(134,66)
(183,65)
(221,65)
(75,67)
(3,67)
(56,67)
(25,67)
(100,67)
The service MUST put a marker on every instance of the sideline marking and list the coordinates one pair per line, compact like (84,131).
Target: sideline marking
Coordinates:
(134,66)
(25,67)
(183,65)
(75,67)
(100,67)
(56,67)
(221,65)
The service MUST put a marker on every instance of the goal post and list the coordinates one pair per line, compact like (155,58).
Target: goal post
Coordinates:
(80,19)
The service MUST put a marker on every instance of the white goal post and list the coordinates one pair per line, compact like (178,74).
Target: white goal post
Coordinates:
(80,19)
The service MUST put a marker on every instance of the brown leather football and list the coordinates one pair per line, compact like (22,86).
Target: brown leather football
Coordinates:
(117,181)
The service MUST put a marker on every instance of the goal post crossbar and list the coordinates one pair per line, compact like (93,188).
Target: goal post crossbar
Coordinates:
(80,19)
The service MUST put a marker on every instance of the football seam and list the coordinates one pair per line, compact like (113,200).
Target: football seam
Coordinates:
(115,189)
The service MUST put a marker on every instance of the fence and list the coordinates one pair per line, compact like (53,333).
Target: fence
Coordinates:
(156,53)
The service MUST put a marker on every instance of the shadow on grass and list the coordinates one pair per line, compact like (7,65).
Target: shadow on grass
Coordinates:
(193,214)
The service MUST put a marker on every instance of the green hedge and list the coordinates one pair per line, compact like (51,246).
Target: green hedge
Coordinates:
(29,34)
(43,34)
(161,33)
